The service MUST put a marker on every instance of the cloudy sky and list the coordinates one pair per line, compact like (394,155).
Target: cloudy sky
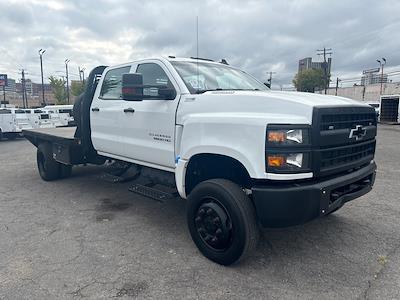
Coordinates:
(257,36)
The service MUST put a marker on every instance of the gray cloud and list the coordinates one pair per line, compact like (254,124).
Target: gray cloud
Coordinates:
(258,36)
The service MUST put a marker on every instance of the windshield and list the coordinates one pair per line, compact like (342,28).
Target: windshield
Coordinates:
(201,77)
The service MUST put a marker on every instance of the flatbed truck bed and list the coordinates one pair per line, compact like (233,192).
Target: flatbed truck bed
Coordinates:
(66,148)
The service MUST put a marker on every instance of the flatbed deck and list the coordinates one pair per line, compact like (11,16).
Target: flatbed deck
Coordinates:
(61,132)
(63,135)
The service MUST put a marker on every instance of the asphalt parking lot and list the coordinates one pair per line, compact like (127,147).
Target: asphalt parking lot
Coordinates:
(85,238)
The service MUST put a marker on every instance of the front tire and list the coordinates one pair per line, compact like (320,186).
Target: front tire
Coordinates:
(222,221)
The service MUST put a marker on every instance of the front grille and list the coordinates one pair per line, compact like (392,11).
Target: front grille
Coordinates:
(337,157)
(342,121)
(336,149)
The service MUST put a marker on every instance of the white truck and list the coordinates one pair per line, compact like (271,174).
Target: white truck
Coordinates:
(240,154)
(64,111)
(13,121)
(7,124)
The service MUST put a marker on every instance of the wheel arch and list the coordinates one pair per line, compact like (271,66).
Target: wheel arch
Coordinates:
(204,166)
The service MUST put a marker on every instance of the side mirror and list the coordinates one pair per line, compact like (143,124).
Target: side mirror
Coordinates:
(132,87)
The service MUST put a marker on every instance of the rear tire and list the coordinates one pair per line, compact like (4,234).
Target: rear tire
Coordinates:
(49,169)
(222,221)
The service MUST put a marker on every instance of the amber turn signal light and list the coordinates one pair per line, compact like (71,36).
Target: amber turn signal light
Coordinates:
(276,136)
(276,161)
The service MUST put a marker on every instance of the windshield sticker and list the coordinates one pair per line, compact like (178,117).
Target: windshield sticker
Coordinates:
(196,82)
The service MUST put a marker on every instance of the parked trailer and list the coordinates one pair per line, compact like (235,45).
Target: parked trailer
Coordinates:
(390,109)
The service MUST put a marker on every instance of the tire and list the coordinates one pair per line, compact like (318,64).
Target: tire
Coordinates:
(49,169)
(65,170)
(222,221)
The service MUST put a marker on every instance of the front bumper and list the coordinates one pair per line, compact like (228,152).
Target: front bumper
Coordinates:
(286,205)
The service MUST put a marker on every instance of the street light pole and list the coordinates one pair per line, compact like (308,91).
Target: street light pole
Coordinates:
(41,52)
(66,71)
(381,63)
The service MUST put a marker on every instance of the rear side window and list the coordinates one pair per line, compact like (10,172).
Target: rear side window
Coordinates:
(112,84)
(155,76)
(5,111)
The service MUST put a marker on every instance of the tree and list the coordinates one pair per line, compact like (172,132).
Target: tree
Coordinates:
(77,88)
(309,80)
(58,88)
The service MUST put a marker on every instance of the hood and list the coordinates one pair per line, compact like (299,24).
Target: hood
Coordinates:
(284,106)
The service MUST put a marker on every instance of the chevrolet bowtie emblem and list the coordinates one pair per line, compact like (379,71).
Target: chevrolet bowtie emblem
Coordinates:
(358,132)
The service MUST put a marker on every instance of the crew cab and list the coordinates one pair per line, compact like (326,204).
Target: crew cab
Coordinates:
(240,154)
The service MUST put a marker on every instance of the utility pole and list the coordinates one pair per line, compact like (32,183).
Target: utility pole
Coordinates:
(381,63)
(41,52)
(82,74)
(325,52)
(24,95)
(66,72)
(337,85)
(4,96)
(270,79)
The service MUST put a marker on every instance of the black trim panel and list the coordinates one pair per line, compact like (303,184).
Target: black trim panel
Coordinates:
(291,204)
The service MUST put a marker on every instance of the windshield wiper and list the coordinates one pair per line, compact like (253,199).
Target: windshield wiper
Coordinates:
(209,90)
(220,89)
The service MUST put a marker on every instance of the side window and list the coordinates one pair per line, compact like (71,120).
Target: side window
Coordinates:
(155,76)
(112,84)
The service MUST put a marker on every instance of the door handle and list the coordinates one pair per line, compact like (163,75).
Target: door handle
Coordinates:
(129,110)
(95,109)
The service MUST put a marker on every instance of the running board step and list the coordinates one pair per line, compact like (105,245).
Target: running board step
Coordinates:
(121,175)
(150,192)
(111,178)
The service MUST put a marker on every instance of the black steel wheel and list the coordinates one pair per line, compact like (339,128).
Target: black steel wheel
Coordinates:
(214,225)
(222,221)
(49,169)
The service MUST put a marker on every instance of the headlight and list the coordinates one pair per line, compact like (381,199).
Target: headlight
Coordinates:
(288,136)
(288,149)
(297,162)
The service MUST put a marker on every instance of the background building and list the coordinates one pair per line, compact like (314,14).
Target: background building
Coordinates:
(373,76)
(11,86)
(307,63)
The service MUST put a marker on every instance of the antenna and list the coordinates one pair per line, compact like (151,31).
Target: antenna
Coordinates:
(197,51)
